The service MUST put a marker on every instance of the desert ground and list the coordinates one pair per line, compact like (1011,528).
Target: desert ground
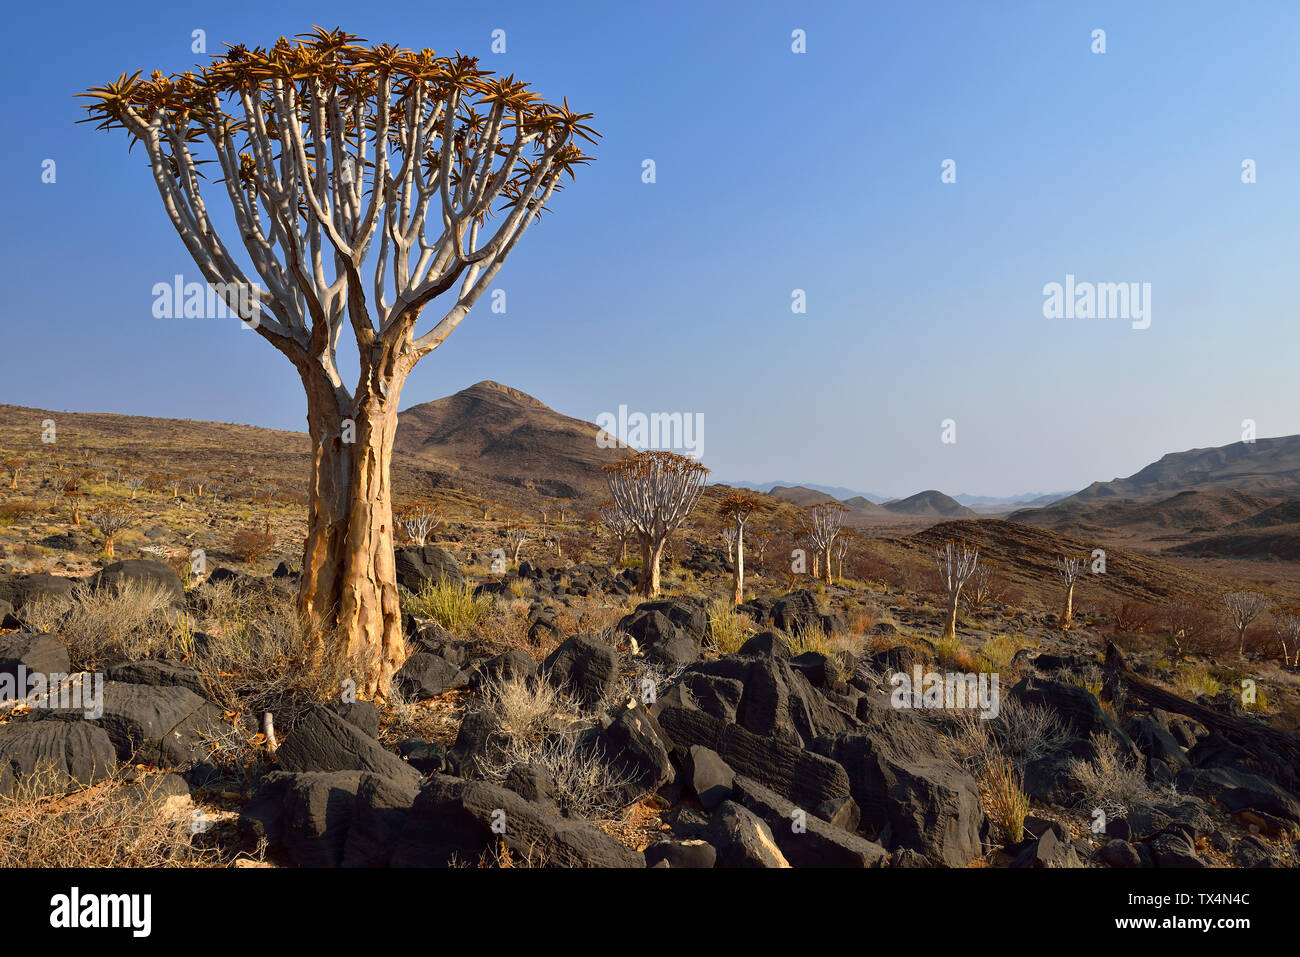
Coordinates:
(549,715)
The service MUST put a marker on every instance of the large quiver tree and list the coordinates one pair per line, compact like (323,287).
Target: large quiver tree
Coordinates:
(363,182)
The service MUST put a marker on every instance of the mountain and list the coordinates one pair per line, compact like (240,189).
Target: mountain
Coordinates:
(496,440)
(834,491)
(1262,466)
(929,503)
(1193,511)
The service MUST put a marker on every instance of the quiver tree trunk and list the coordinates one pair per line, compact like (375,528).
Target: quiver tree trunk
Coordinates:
(1067,611)
(739,569)
(348,593)
(950,619)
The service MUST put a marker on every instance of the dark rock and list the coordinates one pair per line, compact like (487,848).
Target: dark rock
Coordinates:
(362,714)
(710,777)
(742,839)
(146,572)
(805,778)
(1047,850)
(1119,853)
(1174,850)
(427,757)
(426,676)
(806,840)
(636,746)
(317,811)
(156,672)
(583,667)
(429,563)
(20,589)
(35,654)
(766,644)
(323,741)
(680,854)
(909,791)
(504,667)
(75,751)
(382,805)
(532,782)
(454,818)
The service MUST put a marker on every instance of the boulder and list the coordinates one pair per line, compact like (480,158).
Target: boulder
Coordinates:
(429,563)
(141,572)
(711,778)
(454,819)
(583,667)
(742,839)
(681,854)
(73,751)
(33,654)
(156,672)
(803,777)
(804,839)
(324,742)
(426,676)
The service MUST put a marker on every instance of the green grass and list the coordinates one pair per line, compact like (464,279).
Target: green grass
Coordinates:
(455,607)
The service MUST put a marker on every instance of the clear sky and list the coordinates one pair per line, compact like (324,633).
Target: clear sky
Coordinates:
(776,171)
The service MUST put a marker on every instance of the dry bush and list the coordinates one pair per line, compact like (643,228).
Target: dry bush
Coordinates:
(261,657)
(1020,733)
(588,618)
(538,725)
(44,612)
(1110,781)
(529,708)
(248,545)
(505,628)
(111,824)
(955,656)
(11,512)
(133,621)
(1005,800)
(1133,616)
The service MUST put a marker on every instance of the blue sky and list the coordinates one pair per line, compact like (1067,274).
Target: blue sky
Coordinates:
(775,171)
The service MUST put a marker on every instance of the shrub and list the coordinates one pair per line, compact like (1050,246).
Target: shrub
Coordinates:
(728,628)
(1196,680)
(248,545)
(1110,781)
(135,620)
(1005,800)
(111,824)
(456,607)
(995,657)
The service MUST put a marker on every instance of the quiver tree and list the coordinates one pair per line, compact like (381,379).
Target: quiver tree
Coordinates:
(737,508)
(110,518)
(134,483)
(419,519)
(821,523)
(1068,569)
(620,527)
(516,533)
(761,539)
(1244,607)
(73,493)
(980,587)
(728,536)
(13,467)
(956,564)
(365,183)
(655,490)
(1286,625)
(843,545)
